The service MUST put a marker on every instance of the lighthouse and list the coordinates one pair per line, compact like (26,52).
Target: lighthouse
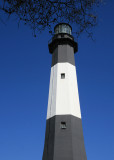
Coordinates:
(64,134)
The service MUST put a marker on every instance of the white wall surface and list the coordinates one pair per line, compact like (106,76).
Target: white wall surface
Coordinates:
(63,93)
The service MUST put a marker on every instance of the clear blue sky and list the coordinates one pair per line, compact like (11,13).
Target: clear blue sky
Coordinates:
(25,65)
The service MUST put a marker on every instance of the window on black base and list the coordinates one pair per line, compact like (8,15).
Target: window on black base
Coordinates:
(63,125)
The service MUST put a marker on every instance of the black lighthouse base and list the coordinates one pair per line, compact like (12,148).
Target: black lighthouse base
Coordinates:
(64,139)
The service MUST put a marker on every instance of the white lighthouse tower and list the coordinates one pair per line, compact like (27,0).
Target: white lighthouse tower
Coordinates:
(64,135)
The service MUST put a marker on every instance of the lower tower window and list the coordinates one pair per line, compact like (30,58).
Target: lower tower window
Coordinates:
(63,125)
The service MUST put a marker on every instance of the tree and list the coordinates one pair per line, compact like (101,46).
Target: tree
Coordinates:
(39,14)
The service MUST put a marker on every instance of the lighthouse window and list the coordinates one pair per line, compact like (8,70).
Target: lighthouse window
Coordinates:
(63,125)
(62,75)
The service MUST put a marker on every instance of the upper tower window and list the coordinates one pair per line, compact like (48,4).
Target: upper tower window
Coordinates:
(62,75)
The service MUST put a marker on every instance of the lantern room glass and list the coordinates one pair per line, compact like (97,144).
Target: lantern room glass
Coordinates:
(63,28)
